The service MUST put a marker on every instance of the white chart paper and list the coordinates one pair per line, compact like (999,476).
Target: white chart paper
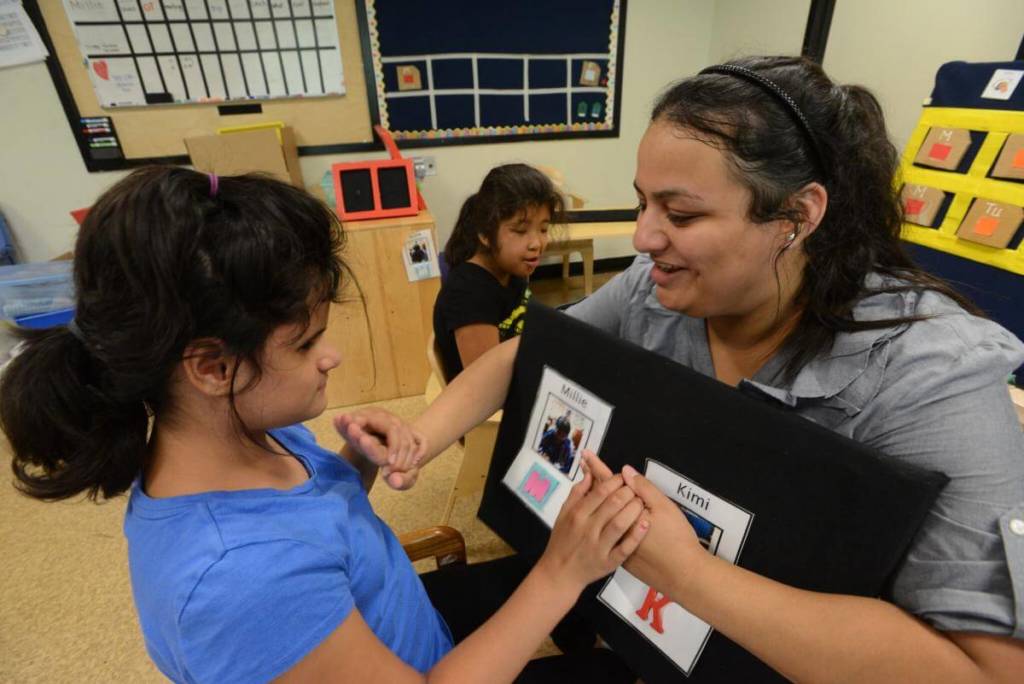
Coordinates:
(179,51)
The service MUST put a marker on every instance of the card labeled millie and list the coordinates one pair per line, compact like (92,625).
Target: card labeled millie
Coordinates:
(721,527)
(566,419)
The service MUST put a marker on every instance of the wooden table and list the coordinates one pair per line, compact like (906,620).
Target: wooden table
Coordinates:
(579,238)
(384,344)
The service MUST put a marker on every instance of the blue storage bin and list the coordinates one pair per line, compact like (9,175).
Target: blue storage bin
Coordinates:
(46,320)
(37,288)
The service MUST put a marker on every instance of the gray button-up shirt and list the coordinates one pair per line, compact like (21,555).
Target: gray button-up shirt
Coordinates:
(932,393)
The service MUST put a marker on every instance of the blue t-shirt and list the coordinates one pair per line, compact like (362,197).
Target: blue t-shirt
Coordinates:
(239,586)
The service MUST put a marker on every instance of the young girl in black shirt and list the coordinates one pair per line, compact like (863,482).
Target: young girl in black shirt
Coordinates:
(498,240)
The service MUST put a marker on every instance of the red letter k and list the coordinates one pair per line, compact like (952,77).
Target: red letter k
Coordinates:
(655,603)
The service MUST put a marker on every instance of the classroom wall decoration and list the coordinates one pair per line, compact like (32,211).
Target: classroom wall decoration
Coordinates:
(147,80)
(485,72)
(181,51)
(963,167)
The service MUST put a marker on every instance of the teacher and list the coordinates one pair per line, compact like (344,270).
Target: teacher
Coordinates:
(768,225)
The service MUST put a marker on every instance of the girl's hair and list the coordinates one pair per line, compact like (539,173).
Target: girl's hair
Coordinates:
(846,149)
(507,191)
(165,258)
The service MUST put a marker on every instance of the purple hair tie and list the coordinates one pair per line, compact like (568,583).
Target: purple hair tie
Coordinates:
(214,184)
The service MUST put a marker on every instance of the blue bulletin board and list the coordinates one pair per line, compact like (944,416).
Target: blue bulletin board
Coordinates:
(468,71)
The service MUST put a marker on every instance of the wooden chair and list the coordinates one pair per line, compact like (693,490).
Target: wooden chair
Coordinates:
(444,543)
(478,445)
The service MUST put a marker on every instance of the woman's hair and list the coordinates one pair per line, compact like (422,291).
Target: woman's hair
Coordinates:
(165,258)
(507,191)
(845,148)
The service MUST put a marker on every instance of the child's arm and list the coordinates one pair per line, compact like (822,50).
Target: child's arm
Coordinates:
(475,340)
(378,440)
(597,528)
(469,400)
(472,397)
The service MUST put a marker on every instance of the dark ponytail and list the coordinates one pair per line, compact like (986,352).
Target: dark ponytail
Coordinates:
(165,257)
(773,157)
(506,191)
(58,421)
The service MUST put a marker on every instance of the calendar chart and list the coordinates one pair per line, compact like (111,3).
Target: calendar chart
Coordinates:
(150,52)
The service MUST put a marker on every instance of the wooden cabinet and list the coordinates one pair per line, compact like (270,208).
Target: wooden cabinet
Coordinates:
(381,327)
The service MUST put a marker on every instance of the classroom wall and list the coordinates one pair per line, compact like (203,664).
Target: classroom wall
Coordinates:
(756,27)
(42,175)
(895,48)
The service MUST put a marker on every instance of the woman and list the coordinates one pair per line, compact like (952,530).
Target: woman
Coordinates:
(769,226)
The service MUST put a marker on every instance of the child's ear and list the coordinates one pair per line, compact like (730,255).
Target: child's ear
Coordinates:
(208,367)
(483,240)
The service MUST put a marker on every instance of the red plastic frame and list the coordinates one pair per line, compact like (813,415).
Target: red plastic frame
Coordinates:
(374,168)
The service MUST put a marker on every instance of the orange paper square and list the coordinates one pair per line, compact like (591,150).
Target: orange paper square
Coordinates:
(940,151)
(914,206)
(1018,159)
(986,225)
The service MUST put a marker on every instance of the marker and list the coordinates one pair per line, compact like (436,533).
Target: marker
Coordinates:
(102,120)
(103,140)
(103,144)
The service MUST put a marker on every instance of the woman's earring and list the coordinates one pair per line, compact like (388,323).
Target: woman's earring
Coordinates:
(791,236)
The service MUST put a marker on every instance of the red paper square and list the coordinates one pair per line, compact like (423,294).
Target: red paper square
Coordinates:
(914,206)
(986,226)
(407,78)
(940,151)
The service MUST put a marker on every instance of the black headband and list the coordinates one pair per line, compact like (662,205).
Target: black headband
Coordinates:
(781,95)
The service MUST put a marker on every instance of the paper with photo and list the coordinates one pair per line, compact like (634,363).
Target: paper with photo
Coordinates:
(19,41)
(721,528)
(566,419)
(420,257)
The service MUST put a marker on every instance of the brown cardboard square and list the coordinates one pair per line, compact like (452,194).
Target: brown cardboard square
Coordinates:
(409,77)
(1010,163)
(590,74)
(943,148)
(291,155)
(921,203)
(236,153)
(990,223)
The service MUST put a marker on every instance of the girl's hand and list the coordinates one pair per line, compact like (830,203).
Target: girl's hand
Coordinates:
(382,438)
(598,527)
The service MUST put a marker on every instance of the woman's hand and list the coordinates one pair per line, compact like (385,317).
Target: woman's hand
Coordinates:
(385,440)
(598,527)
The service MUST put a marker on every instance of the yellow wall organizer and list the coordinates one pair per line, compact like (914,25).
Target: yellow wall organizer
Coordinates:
(997,125)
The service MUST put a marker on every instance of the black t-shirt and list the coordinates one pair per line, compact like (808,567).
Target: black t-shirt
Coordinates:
(471,294)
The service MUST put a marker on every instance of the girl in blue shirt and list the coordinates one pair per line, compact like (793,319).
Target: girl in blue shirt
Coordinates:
(197,349)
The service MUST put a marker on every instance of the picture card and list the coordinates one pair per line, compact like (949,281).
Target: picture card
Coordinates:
(420,256)
(721,527)
(943,148)
(566,419)
(1002,84)
(409,77)
(921,203)
(1010,163)
(990,223)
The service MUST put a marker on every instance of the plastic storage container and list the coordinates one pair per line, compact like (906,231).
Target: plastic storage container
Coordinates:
(38,288)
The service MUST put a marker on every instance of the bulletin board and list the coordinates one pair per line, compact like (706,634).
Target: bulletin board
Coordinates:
(324,121)
(485,72)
